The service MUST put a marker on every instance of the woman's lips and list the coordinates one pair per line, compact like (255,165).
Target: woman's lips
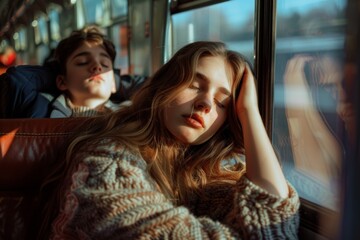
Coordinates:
(195,121)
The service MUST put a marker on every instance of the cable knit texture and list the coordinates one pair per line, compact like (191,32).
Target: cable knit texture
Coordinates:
(110,195)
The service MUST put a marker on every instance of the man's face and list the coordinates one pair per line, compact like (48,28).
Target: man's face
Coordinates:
(89,75)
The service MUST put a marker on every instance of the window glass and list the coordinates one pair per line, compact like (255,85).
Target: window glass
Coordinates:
(22,38)
(231,22)
(21,55)
(54,24)
(43,29)
(118,8)
(37,35)
(19,39)
(94,11)
(140,41)
(16,38)
(310,111)
(80,14)
(120,39)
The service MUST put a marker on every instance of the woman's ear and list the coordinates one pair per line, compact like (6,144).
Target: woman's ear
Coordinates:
(60,82)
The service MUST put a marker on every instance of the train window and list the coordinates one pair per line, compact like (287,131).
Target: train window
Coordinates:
(54,24)
(20,39)
(118,8)
(95,11)
(231,22)
(308,123)
(41,30)
(3,44)
(36,32)
(120,39)
(20,45)
(139,45)
(16,41)
(16,38)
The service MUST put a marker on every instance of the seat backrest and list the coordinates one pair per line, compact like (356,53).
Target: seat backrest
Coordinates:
(20,90)
(29,150)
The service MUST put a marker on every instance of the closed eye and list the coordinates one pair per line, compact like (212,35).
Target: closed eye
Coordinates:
(220,104)
(194,87)
(81,63)
(105,62)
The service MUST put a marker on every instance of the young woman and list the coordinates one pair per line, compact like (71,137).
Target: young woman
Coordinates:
(86,77)
(155,169)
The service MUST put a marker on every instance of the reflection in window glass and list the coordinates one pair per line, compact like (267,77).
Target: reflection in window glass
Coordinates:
(120,39)
(94,11)
(309,108)
(118,8)
(231,22)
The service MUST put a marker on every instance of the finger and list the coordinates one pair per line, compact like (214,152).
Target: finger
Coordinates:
(248,74)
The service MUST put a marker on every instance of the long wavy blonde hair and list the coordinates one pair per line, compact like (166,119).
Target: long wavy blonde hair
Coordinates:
(179,170)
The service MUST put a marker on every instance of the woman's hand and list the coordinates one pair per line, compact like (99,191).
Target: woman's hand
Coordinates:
(247,100)
(262,165)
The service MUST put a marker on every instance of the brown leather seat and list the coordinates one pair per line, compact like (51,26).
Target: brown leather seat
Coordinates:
(29,149)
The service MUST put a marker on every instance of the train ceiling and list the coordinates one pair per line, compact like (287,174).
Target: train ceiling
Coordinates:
(14,13)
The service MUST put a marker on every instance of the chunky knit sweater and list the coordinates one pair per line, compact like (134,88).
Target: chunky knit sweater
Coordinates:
(109,194)
(62,107)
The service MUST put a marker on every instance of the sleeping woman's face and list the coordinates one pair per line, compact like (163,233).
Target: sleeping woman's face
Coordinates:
(198,111)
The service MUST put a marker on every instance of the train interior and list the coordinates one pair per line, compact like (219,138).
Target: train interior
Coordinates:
(313,126)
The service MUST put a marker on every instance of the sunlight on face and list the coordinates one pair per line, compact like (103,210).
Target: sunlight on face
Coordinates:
(198,111)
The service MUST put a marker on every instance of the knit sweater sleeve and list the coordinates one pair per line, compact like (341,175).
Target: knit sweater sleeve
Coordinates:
(110,195)
(251,210)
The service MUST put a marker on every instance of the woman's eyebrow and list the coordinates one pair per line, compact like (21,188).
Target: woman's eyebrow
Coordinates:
(202,77)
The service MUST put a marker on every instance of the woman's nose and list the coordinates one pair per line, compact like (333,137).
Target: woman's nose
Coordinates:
(203,104)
